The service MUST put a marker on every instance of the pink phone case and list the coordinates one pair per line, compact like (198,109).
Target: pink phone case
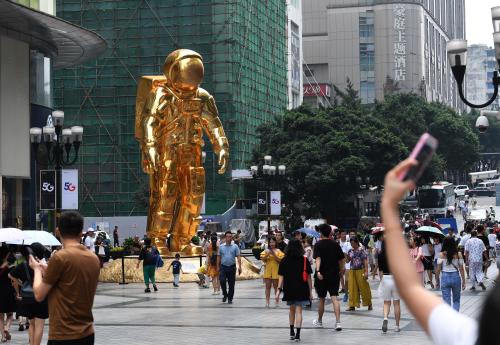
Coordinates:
(416,150)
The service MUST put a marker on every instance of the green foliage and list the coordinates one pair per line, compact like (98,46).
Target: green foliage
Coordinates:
(117,249)
(128,243)
(323,149)
(195,240)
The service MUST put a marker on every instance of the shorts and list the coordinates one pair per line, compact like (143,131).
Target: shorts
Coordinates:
(389,291)
(330,286)
(299,303)
(428,262)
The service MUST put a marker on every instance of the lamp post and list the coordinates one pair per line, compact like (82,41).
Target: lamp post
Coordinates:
(268,173)
(457,55)
(58,143)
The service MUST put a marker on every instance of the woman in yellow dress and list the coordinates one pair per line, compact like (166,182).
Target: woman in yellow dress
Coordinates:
(212,270)
(272,258)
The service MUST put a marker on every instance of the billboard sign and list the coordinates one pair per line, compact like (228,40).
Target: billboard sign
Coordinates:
(69,189)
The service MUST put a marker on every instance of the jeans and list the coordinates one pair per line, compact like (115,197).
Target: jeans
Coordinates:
(227,273)
(176,278)
(451,284)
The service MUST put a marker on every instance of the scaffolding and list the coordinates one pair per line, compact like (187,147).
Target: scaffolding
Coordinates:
(243,44)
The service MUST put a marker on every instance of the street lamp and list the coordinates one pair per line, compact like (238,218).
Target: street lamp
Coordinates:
(58,144)
(457,54)
(268,173)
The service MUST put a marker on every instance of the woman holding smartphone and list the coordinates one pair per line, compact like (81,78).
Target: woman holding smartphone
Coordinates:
(272,258)
(444,325)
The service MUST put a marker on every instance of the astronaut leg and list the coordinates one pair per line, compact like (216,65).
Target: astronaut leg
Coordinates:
(162,204)
(192,188)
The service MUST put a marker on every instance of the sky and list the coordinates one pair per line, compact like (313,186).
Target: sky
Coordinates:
(478,21)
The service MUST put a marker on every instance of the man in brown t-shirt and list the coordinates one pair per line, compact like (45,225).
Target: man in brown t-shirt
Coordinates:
(70,282)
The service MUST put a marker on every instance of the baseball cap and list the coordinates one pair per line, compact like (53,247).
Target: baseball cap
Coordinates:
(91,229)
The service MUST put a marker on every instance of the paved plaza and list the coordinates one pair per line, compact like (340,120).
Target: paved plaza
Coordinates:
(190,315)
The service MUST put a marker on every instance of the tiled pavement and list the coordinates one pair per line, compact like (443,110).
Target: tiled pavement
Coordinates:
(190,315)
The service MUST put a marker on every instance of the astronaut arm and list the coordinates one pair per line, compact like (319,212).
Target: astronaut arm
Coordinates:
(150,123)
(215,132)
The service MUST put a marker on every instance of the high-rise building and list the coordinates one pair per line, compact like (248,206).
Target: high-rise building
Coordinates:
(383,46)
(481,63)
(243,44)
(33,43)
(294,32)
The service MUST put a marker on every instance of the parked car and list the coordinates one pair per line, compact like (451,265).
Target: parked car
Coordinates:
(461,190)
(481,191)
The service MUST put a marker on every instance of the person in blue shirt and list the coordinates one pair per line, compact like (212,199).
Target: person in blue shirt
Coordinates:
(226,262)
(176,266)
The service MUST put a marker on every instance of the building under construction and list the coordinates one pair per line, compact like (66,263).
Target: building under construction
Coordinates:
(243,44)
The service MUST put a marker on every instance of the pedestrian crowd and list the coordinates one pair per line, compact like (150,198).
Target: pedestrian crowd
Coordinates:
(37,284)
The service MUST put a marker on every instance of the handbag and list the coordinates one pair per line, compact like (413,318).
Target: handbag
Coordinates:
(158,260)
(304,273)
(27,294)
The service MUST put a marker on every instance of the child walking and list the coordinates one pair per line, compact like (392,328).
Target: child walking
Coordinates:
(176,266)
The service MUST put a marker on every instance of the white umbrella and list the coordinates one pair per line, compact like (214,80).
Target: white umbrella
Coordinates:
(40,236)
(11,234)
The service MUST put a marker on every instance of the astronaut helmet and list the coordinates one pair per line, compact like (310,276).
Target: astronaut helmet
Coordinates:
(184,70)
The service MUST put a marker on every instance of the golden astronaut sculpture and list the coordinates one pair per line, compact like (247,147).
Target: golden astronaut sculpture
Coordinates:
(172,112)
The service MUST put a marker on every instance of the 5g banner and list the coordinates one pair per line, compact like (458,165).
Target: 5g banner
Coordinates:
(262,204)
(69,189)
(48,190)
(275,203)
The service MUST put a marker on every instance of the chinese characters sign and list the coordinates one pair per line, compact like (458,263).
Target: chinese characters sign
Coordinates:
(400,43)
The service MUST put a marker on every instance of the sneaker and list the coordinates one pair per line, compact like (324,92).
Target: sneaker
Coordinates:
(292,336)
(297,339)
(397,329)
(482,286)
(148,290)
(155,288)
(230,301)
(370,307)
(338,326)
(21,328)
(473,288)
(351,309)
(317,323)
(384,326)
(224,299)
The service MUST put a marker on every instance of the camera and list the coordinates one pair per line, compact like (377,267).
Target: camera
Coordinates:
(482,124)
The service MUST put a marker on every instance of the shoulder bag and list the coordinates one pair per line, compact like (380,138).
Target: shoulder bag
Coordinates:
(27,294)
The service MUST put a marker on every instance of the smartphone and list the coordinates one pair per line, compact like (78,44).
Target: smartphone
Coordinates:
(422,153)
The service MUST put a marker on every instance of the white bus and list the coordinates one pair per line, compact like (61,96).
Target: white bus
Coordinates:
(435,199)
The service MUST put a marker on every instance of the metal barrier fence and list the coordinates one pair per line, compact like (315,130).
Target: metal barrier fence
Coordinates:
(135,257)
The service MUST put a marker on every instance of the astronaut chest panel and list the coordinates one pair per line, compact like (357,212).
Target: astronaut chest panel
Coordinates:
(182,121)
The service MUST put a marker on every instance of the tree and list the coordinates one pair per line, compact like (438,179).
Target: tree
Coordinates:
(323,147)
(408,116)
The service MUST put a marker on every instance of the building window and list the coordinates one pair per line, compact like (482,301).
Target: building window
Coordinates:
(367,92)
(367,57)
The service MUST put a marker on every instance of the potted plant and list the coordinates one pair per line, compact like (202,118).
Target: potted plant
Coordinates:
(117,252)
